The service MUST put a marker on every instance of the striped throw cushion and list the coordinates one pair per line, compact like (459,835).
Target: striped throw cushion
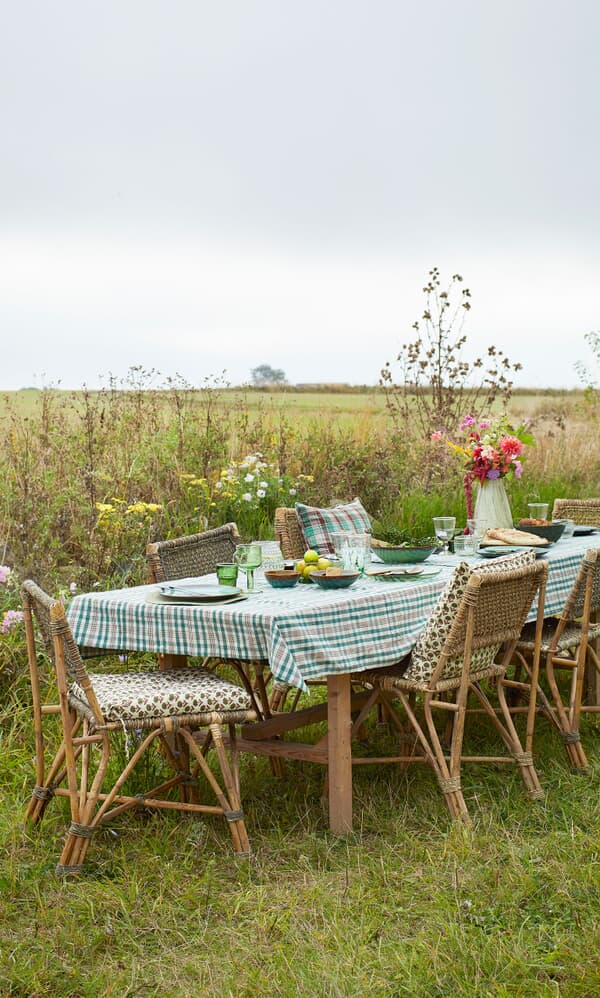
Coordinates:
(317,525)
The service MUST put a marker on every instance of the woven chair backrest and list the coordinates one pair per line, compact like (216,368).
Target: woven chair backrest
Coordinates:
(581,511)
(288,533)
(192,555)
(50,617)
(501,603)
(575,604)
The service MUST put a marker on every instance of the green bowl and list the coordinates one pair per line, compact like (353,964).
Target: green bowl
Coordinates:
(403,554)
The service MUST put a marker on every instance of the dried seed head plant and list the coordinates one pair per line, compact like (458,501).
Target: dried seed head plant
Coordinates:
(435,384)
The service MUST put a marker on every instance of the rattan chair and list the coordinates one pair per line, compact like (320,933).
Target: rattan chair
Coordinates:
(193,554)
(288,533)
(97,710)
(581,511)
(566,647)
(490,616)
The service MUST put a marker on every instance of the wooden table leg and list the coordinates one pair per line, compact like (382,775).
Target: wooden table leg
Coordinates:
(172,661)
(339,754)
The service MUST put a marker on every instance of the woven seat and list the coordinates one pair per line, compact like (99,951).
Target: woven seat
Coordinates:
(140,699)
(193,554)
(569,638)
(474,631)
(581,511)
(96,709)
(566,646)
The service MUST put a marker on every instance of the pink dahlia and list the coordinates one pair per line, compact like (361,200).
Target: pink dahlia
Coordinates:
(511,446)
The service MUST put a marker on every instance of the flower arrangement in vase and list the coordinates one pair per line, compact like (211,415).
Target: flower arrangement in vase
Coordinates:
(491,451)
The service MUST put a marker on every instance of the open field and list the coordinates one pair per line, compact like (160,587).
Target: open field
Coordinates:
(407,905)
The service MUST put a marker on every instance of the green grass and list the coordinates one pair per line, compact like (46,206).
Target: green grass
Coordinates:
(407,905)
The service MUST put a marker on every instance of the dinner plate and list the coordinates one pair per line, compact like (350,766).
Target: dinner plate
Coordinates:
(400,574)
(583,530)
(497,552)
(204,593)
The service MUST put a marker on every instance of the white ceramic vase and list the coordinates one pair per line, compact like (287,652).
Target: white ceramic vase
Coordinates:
(491,505)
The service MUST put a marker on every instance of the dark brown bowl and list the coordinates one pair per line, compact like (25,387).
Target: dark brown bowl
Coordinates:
(282,578)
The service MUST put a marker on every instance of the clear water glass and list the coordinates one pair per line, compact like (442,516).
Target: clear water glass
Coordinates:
(355,552)
(466,544)
(538,510)
(249,558)
(444,527)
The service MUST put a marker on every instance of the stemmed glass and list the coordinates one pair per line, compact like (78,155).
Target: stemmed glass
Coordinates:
(248,557)
(444,530)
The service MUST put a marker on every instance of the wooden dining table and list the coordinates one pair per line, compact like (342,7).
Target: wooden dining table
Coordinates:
(300,634)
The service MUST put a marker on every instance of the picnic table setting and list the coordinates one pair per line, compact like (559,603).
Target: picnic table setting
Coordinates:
(411,631)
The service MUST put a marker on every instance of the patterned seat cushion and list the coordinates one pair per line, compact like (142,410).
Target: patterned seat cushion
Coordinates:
(570,637)
(318,525)
(427,650)
(139,696)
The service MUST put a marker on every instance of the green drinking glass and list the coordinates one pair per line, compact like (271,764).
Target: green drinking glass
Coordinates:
(249,557)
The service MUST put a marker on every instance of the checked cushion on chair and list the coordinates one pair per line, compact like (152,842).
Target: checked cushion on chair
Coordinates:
(140,696)
(427,650)
(318,525)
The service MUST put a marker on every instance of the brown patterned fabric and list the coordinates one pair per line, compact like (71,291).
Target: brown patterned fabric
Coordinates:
(134,696)
(430,642)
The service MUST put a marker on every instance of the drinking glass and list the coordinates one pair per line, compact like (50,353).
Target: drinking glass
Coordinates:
(249,557)
(538,510)
(477,529)
(444,530)
(355,551)
(466,544)
(227,574)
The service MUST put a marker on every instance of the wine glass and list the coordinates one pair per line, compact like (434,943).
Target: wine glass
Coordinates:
(248,557)
(444,530)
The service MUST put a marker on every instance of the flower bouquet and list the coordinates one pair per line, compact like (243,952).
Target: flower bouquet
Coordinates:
(491,449)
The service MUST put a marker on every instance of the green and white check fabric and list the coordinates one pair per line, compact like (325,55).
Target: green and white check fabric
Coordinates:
(318,525)
(305,632)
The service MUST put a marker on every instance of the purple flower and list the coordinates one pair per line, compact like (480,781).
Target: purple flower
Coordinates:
(4,573)
(518,469)
(467,421)
(485,424)
(493,473)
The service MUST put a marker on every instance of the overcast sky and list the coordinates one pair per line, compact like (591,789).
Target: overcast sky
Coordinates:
(200,187)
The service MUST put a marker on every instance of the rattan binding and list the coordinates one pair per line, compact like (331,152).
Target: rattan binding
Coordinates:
(581,511)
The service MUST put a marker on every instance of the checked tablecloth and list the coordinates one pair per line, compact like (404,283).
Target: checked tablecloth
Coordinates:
(305,632)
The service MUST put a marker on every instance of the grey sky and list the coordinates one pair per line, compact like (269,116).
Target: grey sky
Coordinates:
(200,186)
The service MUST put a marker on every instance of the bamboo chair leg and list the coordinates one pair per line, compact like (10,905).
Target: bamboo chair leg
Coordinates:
(569,734)
(435,756)
(510,736)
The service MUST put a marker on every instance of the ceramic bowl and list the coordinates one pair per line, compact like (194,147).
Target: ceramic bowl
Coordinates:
(335,581)
(282,578)
(403,554)
(551,531)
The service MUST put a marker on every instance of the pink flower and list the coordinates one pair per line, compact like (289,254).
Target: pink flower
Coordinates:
(518,468)
(467,421)
(436,436)
(511,446)
(485,424)
(10,620)
(4,573)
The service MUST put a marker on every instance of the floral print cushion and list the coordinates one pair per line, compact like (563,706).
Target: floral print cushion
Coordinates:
(132,696)
(427,650)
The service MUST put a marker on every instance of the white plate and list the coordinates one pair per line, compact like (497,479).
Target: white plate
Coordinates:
(206,593)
